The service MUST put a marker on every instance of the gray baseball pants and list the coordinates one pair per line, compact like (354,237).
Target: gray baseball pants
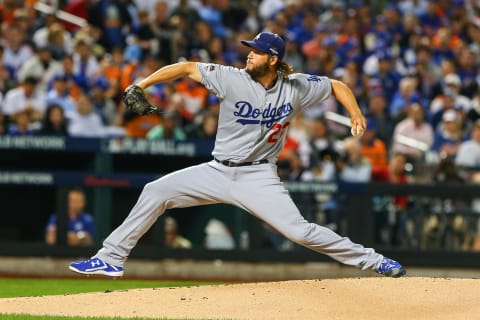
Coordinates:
(256,189)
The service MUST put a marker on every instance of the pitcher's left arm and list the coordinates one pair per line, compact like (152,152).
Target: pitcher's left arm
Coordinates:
(346,97)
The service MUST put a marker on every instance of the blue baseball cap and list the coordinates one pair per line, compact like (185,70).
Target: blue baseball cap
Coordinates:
(270,43)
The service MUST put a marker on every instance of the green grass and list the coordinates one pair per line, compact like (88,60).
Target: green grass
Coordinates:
(28,317)
(20,287)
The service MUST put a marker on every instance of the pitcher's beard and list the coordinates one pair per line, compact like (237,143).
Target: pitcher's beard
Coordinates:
(259,71)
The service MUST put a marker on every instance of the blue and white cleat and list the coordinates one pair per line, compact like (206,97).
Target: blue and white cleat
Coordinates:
(96,266)
(391,268)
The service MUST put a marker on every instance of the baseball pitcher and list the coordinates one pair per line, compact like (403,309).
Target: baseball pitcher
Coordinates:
(257,105)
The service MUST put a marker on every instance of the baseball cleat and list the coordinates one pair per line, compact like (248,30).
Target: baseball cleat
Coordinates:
(96,266)
(391,268)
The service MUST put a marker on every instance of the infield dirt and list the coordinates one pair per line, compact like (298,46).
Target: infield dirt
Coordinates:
(349,298)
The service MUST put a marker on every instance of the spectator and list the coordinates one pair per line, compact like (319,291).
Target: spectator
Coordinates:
(39,36)
(377,111)
(268,8)
(21,124)
(6,81)
(84,121)
(59,41)
(452,88)
(403,97)
(138,126)
(353,166)
(290,167)
(350,166)
(211,12)
(373,148)
(163,29)
(388,74)
(468,159)
(103,104)
(290,144)
(467,71)
(169,129)
(327,60)
(40,66)
(473,32)
(413,127)
(60,94)
(113,19)
(319,152)
(194,95)
(207,129)
(299,129)
(426,71)
(397,229)
(293,55)
(84,62)
(417,7)
(305,30)
(430,19)
(188,12)
(218,236)
(335,15)
(468,155)
(172,238)
(75,82)
(176,102)
(111,66)
(25,96)
(16,52)
(26,19)
(54,121)
(443,43)
(314,46)
(7,11)
(448,136)
(143,33)
(215,51)
(351,75)
(80,224)
(51,29)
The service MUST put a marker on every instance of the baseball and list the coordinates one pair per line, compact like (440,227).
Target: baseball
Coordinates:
(357,132)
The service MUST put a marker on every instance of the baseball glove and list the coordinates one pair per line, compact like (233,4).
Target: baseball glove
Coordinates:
(135,100)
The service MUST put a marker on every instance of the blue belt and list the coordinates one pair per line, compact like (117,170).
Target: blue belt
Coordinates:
(240,164)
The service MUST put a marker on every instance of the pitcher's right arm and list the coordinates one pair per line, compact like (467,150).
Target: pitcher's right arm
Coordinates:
(172,72)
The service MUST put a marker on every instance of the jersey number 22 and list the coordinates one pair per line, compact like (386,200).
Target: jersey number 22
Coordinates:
(277,131)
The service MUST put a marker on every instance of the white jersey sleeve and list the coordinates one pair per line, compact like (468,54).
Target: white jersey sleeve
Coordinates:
(215,76)
(311,89)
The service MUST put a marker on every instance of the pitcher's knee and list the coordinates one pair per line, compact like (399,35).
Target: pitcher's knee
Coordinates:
(301,233)
(155,188)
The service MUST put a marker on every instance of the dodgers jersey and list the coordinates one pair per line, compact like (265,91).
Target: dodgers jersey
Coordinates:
(253,121)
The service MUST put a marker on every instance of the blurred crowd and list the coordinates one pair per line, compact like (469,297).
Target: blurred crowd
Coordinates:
(412,64)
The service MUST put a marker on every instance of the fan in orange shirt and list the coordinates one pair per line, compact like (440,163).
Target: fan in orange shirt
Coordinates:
(373,148)
(194,95)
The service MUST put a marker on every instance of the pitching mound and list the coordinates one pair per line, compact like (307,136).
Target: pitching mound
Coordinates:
(351,298)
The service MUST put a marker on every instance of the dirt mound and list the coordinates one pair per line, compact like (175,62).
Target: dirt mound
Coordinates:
(350,298)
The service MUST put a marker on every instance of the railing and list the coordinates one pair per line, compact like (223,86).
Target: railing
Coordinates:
(60,14)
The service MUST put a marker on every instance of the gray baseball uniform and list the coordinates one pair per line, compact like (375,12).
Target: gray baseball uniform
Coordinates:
(253,124)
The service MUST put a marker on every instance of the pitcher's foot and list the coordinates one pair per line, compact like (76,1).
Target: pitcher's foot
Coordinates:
(391,268)
(96,266)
